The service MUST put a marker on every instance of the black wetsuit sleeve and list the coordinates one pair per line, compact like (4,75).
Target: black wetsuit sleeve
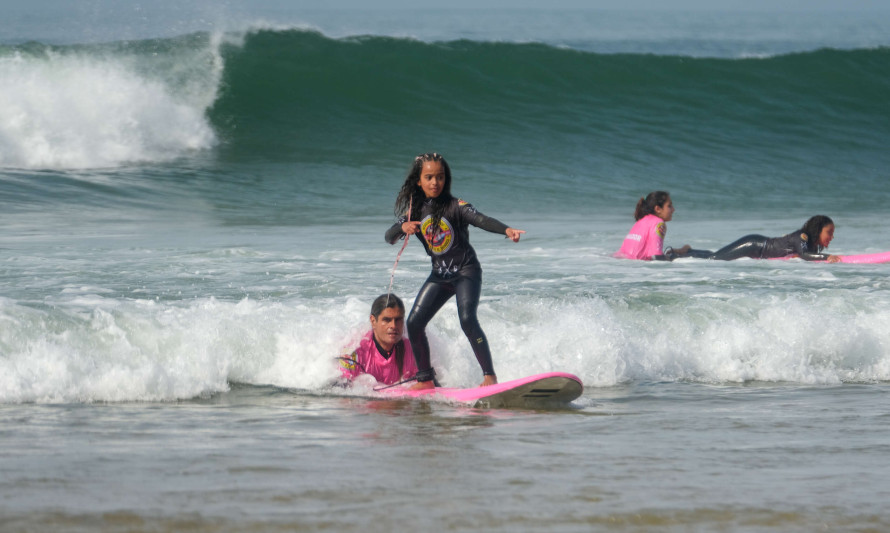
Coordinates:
(487,223)
(803,251)
(668,255)
(395,232)
(812,256)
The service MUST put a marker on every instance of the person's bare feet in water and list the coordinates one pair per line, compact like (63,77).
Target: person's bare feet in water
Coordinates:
(489,380)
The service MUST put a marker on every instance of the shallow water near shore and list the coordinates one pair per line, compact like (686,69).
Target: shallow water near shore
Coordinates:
(753,457)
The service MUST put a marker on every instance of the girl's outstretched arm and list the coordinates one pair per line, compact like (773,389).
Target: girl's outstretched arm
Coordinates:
(513,234)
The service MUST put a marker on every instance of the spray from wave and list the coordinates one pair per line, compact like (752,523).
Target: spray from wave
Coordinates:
(88,348)
(106,105)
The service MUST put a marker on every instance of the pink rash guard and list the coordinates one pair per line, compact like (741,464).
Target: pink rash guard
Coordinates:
(367,359)
(646,239)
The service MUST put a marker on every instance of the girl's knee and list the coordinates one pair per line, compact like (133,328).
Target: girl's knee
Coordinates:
(415,325)
(470,325)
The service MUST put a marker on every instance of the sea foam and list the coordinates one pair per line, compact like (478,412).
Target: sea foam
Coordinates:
(93,107)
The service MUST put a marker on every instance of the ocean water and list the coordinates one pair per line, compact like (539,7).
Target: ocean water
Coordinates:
(193,208)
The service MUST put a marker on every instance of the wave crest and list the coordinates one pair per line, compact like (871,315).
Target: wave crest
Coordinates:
(88,107)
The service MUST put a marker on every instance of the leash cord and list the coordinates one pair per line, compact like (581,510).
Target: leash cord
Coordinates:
(392,276)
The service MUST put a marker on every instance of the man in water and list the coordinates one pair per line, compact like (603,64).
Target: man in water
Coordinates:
(382,352)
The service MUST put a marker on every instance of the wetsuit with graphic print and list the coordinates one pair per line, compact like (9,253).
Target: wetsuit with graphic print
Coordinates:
(455,272)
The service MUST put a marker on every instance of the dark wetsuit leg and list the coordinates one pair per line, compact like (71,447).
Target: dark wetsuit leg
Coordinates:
(747,246)
(469,289)
(699,254)
(431,297)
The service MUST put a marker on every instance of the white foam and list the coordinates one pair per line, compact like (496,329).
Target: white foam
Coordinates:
(92,348)
(91,109)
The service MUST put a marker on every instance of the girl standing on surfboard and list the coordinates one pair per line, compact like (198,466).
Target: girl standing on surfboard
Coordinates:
(806,243)
(646,238)
(426,208)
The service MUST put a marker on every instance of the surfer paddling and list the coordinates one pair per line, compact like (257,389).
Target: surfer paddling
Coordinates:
(646,238)
(440,221)
(806,243)
(382,352)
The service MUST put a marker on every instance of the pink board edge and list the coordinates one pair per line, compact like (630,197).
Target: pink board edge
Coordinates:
(881,257)
(475,393)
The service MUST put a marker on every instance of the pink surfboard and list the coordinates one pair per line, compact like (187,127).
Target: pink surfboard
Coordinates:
(549,389)
(882,257)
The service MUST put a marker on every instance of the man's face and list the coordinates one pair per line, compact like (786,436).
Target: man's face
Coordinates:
(388,326)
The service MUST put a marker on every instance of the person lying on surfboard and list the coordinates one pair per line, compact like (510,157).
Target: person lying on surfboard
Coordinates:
(440,221)
(646,238)
(806,243)
(382,352)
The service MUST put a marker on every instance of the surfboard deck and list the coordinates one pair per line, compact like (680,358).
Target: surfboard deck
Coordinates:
(539,390)
(882,257)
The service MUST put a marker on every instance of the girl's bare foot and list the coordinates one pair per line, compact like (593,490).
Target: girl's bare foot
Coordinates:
(489,380)
(421,385)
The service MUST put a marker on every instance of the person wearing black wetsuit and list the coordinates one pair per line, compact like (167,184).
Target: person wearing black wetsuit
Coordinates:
(441,223)
(806,243)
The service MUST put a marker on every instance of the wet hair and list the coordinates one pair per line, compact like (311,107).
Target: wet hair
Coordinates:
(391,301)
(386,301)
(647,205)
(813,230)
(412,195)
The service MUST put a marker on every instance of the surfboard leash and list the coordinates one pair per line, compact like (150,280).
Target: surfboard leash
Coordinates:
(392,276)
(409,380)
(364,370)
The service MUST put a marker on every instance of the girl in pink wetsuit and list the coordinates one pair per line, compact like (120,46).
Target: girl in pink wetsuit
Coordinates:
(646,238)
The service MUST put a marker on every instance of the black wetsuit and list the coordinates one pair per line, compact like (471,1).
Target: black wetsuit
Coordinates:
(760,247)
(456,272)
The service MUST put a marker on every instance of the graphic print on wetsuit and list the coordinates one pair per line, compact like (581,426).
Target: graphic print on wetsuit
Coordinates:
(439,242)
(449,248)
